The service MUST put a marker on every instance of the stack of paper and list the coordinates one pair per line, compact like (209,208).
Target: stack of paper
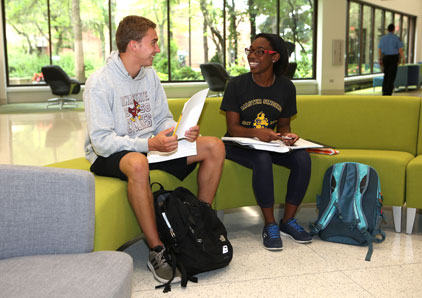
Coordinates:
(274,146)
(188,118)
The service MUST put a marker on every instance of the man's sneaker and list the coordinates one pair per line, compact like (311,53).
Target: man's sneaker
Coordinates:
(271,237)
(159,266)
(294,231)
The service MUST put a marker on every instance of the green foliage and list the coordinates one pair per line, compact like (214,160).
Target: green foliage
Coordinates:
(216,58)
(304,68)
(67,62)
(28,22)
(186,73)
(236,70)
(27,67)
(160,63)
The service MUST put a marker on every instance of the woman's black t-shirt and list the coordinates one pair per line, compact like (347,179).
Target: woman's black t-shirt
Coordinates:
(260,107)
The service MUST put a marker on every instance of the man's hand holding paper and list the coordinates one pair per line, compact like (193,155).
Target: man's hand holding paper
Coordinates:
(165,141)
(192,133)
(179,141)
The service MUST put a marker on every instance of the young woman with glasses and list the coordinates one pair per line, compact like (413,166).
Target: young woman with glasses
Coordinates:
(259,104)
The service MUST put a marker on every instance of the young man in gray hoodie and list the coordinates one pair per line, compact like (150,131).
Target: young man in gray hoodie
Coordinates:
(127,116)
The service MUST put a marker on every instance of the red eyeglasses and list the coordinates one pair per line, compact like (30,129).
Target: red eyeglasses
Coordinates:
(258,52)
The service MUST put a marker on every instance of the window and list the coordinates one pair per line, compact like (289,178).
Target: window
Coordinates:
(296,20)
(354,39)
(366,25)
(367,40)
(79,35)
(379,32)
(156,11)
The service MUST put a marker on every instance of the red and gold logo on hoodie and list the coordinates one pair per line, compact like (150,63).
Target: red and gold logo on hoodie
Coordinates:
(134,112)
(137,108)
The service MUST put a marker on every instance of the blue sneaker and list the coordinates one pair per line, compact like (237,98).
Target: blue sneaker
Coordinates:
(271,237)
(294,231)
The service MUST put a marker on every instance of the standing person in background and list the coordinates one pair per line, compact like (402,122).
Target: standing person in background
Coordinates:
(127,116)
(390,50)
(256,103)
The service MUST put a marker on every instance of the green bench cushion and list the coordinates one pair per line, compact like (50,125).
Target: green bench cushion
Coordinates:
(414,183)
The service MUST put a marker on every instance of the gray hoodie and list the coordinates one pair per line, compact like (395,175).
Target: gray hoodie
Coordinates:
(123,112)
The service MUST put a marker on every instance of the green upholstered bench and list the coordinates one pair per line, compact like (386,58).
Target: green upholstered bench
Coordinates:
(413,183)
(381,131)
(413,191)
(361,127)
(115,222)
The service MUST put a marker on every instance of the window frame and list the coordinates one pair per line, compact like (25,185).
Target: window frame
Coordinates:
(169,80)
(411,35)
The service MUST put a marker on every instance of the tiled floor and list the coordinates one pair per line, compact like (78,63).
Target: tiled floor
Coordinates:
(319,269)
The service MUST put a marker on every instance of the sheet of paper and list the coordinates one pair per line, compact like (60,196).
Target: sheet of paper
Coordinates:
(189,117)
(252,141)
(191,112)
(273,146)
(185,148)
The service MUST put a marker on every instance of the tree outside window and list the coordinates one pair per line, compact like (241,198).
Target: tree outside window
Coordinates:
(79,35)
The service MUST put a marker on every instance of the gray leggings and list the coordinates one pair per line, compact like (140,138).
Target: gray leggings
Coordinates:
(261,162)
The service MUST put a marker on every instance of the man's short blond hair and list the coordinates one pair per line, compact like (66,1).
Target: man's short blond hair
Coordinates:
(132,28)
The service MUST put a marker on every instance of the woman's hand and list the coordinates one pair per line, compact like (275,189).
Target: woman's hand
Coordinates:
(289,138)
(267,134)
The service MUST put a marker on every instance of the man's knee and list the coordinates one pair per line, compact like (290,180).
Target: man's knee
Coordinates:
(214,147)
(134,164)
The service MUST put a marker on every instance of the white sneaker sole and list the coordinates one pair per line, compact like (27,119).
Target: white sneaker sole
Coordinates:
(291,237)
(272,249)
(176,279)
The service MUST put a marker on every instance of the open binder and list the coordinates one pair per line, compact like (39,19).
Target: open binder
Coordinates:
(274,146)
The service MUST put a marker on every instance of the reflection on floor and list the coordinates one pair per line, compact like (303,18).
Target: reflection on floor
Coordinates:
(320,269)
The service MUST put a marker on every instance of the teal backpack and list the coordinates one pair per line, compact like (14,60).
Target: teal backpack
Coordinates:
(350,206)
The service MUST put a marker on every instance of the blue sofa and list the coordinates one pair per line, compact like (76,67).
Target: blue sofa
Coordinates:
(407,75)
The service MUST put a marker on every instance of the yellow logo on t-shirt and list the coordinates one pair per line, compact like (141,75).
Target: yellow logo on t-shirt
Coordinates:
(260,121)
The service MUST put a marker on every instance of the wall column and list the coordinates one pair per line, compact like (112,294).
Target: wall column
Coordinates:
(331,27)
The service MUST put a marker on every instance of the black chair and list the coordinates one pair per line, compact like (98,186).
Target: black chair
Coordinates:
(290,70)
(216,76)
(60,85)
(291,67)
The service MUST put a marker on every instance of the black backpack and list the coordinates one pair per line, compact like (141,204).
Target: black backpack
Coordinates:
(193,235)
(350,206)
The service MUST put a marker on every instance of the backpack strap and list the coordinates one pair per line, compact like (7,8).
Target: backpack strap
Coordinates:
(362,225)
(158,183)
(167,285)
(329,212)
(377,229)
(368,239)
(362,171)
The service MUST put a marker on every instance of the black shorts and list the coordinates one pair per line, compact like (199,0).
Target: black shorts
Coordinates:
(109,166)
